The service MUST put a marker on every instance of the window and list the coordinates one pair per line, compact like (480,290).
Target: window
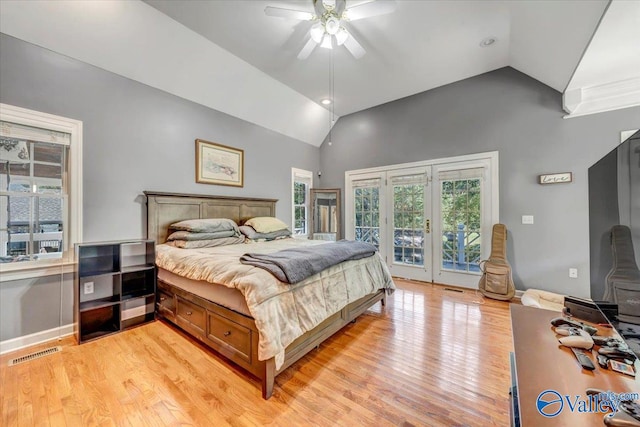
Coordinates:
(40,189)
(302,182)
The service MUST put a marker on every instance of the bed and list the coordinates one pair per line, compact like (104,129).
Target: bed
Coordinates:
(228,318)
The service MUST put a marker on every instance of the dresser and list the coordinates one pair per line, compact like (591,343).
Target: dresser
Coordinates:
(541,367)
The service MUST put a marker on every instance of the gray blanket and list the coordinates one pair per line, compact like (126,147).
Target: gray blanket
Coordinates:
(296,264)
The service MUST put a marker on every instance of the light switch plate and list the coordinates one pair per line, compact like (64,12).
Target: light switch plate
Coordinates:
(527,219)
(88,288)
(573,273)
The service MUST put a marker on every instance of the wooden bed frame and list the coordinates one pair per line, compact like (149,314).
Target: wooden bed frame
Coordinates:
(231,334)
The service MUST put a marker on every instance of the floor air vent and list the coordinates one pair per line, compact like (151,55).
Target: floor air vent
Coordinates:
(36,355)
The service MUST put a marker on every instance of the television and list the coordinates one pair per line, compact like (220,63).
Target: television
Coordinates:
(614,233)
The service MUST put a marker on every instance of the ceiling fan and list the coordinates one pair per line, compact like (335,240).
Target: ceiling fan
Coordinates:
(330,16)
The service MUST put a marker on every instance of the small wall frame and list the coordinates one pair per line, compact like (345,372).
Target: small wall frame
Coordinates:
(555,178)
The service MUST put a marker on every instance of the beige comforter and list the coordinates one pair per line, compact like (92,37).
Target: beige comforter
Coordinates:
(282,312)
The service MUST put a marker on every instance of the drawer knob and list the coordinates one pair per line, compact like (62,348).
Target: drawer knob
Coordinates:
(189,313)
(162,298)
(226,334)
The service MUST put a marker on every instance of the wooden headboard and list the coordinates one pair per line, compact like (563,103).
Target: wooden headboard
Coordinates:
(163,209)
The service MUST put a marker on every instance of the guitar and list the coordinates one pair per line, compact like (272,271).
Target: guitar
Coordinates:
(497,280)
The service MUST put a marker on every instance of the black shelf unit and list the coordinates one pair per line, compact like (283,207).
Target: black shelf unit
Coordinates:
(115,287)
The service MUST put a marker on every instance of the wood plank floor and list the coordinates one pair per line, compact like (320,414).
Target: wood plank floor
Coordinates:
(431,357)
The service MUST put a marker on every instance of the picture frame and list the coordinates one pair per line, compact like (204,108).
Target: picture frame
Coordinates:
(219,164)
(555,178)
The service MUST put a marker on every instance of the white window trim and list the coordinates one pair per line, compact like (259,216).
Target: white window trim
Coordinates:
(30,269)
(295,172)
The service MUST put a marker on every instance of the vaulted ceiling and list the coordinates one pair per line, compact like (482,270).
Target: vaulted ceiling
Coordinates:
(419,46)
(231,56)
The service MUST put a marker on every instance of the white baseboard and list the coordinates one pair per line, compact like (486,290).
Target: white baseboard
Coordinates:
(519,294)
(37,338)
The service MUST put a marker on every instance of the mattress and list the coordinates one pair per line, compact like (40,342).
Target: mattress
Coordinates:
(220,294)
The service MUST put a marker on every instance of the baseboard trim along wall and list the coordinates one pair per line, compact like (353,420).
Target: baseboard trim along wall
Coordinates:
(37,338)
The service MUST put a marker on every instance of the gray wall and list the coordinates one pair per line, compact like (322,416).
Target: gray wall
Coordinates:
(34,305)
(136,138)
(522,119)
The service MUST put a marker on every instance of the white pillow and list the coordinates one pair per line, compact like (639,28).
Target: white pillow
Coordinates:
(266,224)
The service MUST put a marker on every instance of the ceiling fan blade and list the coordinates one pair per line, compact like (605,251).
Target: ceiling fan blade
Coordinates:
(354,47)
(288,13)
(373,8)
(307,49)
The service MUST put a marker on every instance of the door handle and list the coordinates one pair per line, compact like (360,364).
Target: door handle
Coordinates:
(427,226)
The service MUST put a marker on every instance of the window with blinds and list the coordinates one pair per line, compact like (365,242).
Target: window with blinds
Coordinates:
(33,192)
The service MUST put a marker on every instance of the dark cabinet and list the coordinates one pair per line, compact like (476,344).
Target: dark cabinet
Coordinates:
(115,287)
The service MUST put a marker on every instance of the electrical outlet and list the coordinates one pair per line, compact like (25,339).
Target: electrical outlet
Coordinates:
(88,288)
(527,219)
(573,273)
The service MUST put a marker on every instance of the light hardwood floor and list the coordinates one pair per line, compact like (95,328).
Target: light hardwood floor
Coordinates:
(431,357)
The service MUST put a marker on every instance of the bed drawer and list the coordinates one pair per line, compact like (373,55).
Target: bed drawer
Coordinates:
(231,338)
(166,304)
(190,316)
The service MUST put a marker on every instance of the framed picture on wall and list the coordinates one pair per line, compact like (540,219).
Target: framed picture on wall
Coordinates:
(219,164)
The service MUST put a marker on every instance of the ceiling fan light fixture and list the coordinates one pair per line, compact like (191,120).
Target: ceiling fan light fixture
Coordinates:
(317,31)
(332,25)
(341,36)
(327,43)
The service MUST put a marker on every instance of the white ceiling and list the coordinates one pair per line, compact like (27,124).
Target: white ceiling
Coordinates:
(230,56)
(420,46)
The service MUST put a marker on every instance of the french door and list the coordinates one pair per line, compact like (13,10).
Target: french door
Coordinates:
(430,222)
(409,223)
(462,220)
(390,210)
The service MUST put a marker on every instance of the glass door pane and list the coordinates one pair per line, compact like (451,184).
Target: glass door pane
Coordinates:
(367,213)
(460,228)
(408,221)
(409,224)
